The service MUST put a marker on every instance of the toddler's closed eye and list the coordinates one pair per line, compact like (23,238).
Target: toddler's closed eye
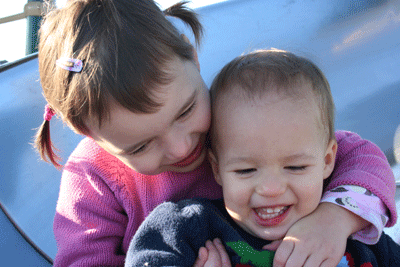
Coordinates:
(296,168)
(245,171)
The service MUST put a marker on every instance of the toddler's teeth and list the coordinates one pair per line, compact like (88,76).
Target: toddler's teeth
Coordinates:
(278,209)
(269,213)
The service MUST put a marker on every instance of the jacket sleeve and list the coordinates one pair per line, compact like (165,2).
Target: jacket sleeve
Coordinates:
(89,224)
(360,162)
(170,236)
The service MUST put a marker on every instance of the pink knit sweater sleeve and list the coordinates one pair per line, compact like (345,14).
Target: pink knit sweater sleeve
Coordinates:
(90,223)
(360,162)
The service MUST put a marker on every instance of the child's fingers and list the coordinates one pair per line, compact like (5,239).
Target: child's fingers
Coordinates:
(201,258)
(321,259)
(214,259)
(315,259)
(283,252)
(273,246)
(329,263)
(299,258)
(213,255)
(222,253)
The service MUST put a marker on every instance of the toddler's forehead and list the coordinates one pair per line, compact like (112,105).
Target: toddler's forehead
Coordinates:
(227,102)
(269,94)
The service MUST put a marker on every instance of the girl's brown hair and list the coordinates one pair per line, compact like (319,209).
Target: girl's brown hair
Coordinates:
(124,45)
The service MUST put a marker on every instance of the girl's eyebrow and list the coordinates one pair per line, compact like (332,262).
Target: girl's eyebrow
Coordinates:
(187,103)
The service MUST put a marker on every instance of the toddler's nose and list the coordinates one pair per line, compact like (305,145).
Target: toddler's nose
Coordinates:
(271,186)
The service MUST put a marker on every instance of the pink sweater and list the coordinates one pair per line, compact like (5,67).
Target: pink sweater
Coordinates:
(102,201)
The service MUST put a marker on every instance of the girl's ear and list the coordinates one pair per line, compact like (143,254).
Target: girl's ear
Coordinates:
(330,157)
(214,166)
(195,56)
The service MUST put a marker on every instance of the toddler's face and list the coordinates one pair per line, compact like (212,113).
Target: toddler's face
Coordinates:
(171,139)
(271,161)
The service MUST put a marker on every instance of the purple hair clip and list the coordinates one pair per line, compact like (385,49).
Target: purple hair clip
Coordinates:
(70,64)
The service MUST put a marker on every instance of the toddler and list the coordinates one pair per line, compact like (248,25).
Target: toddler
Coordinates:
(273,147)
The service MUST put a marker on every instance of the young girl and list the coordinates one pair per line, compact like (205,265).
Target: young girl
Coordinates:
(119,73)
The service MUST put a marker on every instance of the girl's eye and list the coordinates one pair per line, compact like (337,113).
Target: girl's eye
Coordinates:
(245,171)
(187,111)
(296,168)
(139,149)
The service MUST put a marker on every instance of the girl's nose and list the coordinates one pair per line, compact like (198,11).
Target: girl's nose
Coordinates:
(178,145)
(271,186)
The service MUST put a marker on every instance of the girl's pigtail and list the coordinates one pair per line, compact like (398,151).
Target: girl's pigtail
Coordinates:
(188,16)
(43,142)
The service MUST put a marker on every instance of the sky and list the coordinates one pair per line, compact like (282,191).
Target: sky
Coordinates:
(13,34)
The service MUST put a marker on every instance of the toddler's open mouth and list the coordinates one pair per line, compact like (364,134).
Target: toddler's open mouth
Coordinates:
(271,216)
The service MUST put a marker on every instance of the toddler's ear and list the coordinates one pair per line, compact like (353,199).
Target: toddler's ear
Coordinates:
(214,166)
(195,56)
(330,156)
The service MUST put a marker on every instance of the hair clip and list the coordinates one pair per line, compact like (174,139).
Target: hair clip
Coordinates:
(70,64)
(48,113)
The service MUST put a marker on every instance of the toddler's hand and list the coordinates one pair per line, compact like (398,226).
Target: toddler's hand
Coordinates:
(213,254)
(318,239)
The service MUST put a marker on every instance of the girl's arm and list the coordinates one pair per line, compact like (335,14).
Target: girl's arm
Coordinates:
(361,163)
(89,224)
(320,238)
(366,205)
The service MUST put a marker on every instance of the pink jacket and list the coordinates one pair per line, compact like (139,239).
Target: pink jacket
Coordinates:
(102,201)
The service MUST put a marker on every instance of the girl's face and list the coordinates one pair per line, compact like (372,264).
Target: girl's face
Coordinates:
(171,139)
